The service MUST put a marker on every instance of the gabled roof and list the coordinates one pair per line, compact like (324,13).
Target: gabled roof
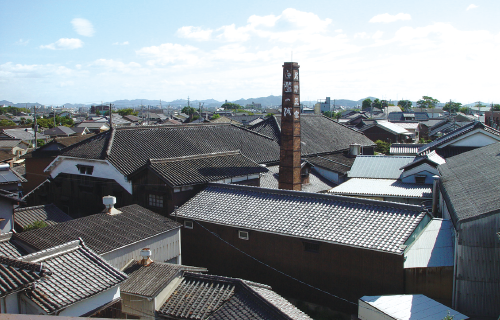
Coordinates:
(391,127)
(337,162)
(433,246)
(379,167)
(471,182)
(149,281)
(319,134)
(368,224)
(58,131)
(382,188)
(132,118)
(10,176)
(77,274)
(9,143)
(11,196)
(48,213)
(7,248)
(101,232)
(130,148)
(203,168)
(457,133)
(431,158)
(316,182)
(201,296)
(16,275)
(25,134)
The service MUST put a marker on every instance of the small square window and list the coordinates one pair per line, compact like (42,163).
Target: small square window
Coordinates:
(420,179)
(155,201)
(188,224)
(310,246)
(243,235)
(85,169)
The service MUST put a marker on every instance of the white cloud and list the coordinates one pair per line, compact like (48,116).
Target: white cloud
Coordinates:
(83,27)
(124,43)
(196,33)
(22,42)
(169,53)
(377,35)
(387,18)
(64,44)
(110,65)
(471,6)
(232,34)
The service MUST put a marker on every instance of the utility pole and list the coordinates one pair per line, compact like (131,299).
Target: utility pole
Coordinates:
(36,129)
(110,120)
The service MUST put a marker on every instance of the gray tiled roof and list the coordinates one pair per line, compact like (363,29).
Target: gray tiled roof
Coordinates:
(25,134)
(16,275)
(10,176)
(363,223)
(337,162)
(214,297)
(470,182)
(49,213)
(77,274)
(204,168)
(60,130)
(8,249)
(382,187)
(316,182)
(319,134)
(130,148)
(379,167)
(457,133)
(149,281)
(101,232)
(9,143)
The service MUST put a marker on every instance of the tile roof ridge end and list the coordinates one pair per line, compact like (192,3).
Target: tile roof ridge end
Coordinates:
(110,141)
(48,253)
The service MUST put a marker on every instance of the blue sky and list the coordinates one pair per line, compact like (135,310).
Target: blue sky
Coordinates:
(56,52)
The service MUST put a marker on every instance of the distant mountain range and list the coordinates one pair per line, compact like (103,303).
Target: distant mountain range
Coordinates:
(207,104)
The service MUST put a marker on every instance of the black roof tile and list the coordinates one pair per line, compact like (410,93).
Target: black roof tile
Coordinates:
(319,134)
(101,232)
(130,148)
(16,275)
(471,182)
(49,213)
(77,274)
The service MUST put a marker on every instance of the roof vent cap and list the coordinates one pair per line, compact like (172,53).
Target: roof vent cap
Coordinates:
(109,202)
(146,257)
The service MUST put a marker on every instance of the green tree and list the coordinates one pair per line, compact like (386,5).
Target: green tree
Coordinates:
(40,142)
(382,147)
(215,116)
(188,110)
(377,103)
(35,225)
(427,102)
(45,123)
(495,107)
(6,123)
(405,105)
(479,106)
(127,112)
(230,105)
(464,110)
(367,103)
(452,107)
(384,103)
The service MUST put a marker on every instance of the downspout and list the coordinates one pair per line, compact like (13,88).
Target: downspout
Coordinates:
(435,195)
(454,294)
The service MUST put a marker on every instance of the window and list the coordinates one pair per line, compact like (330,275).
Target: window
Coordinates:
(188,224)
(155,200)
(243,235)
(85,169)
(311,246)
(420,179)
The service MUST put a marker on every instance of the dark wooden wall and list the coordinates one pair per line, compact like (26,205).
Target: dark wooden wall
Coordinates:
(436,283)
(345,271)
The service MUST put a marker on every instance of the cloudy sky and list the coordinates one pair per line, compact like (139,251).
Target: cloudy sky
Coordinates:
(56,52)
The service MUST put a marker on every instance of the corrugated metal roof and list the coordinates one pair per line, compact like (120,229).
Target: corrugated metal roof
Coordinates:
(379,167)
(383,187)
(411,307)
(392,127)
(433,247)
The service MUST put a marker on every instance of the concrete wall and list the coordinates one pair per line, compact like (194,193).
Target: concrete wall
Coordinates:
(92,303)
(6,212)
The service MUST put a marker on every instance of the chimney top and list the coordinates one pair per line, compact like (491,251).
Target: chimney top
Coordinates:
(146,257)
(109,202)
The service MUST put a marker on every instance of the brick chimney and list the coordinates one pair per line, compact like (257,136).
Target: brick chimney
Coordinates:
(289,174)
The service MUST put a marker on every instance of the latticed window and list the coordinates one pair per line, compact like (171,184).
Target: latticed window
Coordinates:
(156,200)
